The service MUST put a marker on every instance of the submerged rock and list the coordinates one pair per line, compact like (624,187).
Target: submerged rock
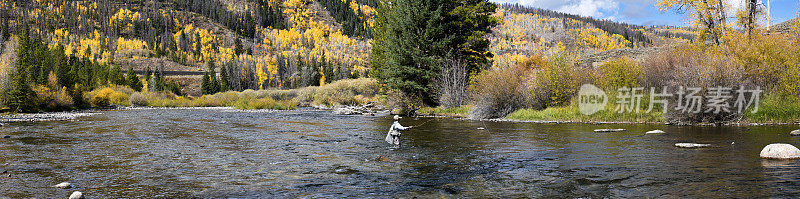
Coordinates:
(780,151)
(6,136)
(607,130)
(655,132)
(691,145)
(381,158)
(795,132)
(344,171)
(63,185)
(76,195)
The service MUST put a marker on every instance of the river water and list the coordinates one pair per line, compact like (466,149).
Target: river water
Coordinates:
(223,153)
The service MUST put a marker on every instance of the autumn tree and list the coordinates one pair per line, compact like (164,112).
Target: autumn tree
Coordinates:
(748,17)
(709,16)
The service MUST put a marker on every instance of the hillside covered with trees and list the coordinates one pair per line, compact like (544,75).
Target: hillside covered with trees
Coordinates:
(61,55)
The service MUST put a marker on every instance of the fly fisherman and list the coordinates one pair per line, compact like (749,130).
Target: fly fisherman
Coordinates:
(393,137)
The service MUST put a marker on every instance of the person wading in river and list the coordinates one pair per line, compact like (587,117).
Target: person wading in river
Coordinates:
(393,137)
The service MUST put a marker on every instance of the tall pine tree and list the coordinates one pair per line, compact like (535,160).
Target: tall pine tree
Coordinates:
(224,79)
(133,81)
(412,37)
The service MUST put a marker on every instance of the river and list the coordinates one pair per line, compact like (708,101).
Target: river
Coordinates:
(224,153)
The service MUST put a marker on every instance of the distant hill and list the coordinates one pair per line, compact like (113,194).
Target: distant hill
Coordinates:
(785,26)
(528,31)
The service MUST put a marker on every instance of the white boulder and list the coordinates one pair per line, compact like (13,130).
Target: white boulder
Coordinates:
(76,195)
(655,132)
(795,132)
(63,185)
(691,145)
(780,151)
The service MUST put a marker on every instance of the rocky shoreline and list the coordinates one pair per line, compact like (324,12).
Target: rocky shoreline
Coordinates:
(40,117)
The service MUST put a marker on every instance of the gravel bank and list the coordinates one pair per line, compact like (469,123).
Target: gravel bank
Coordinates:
(38,117)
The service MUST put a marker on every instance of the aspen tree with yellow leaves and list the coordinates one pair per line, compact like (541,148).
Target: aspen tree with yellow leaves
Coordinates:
(709,16)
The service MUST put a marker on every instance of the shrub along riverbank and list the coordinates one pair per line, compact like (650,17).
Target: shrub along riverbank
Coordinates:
(342,92)
(542,88)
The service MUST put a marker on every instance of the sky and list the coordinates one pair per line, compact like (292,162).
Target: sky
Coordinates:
(644,12)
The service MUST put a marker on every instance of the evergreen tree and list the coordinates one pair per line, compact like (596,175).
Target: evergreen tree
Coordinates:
(198,47)
(213,83)
(174,87)
(133,80)
(21,97)
(61,65)
(237,46)
(160,79)
(205,86)
(224,79)
(4,29)
(411,38)
(147,74)
(116,76)
(327,70)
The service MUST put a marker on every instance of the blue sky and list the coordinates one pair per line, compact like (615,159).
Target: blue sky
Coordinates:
(643,12)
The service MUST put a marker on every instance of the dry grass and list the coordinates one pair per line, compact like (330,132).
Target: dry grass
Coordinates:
(345,92)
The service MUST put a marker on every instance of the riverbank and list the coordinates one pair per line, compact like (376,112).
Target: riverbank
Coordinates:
(772,111)
(40,117)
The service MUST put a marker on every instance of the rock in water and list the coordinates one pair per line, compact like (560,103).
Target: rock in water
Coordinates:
(691,145)
(608,130)
(345,111)
(76,195)
(780,151)
(655,132)
(6,136)
(795,132)
(381,158)
(64,185)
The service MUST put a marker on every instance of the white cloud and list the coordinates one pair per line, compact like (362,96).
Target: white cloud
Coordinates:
(591,8)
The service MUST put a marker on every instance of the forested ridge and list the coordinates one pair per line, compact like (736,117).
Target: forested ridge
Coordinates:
(263,44)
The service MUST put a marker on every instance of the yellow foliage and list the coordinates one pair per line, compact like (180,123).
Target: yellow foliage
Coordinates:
(620,72)
(107,96)
(124,17)
(130,44)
